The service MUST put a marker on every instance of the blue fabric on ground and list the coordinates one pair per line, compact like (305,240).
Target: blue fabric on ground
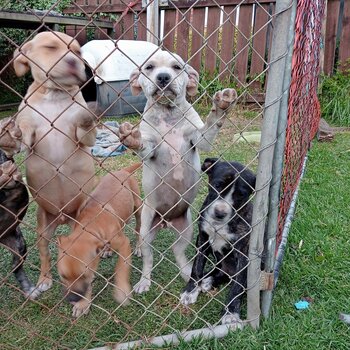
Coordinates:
(107,142)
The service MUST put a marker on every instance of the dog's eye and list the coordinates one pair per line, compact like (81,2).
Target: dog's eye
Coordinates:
(177,67)
(52,48)
(149,67)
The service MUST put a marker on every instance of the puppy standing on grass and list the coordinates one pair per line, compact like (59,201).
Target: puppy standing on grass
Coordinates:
(170,135)
(99,226)
(224,229)
(57,132)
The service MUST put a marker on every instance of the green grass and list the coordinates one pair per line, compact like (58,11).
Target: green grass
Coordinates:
(334,98)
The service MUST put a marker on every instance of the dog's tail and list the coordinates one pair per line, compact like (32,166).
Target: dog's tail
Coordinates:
(132,168)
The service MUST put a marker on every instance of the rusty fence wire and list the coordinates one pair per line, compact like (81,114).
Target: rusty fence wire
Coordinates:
(128,192)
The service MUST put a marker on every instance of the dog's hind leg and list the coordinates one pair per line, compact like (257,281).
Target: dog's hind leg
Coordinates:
(149,227)
(184,232)
(47,224)
(17,245)
(121,244)
(137,211)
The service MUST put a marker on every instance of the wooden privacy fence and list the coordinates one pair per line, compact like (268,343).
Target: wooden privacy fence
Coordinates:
(236,36)
(227,38)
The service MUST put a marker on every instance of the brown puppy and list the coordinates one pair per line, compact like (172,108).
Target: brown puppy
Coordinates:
(100,226)
(57,131)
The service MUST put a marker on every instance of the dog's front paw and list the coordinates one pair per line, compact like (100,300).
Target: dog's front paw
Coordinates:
(232,319)
(225,98)
(10,137)
(9,175)
(188,298)
(80,308)
(44,284)
(207,284)
(32,293)
(130,136)
(143,286)
(85,120)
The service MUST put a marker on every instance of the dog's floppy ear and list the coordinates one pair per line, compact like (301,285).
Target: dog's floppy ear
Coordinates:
(135,86)
(21,62)
(208,164)
(193,80)
(245,184)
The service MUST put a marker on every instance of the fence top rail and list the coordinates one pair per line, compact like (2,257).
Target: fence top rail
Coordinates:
(212,3)
(11,19)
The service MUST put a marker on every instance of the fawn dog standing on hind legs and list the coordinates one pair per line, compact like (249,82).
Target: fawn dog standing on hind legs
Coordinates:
(168,139)
(58,130)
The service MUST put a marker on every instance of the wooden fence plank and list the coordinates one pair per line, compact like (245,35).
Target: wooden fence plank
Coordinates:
(169,29)
(142,26)
(197,37)
(80,34)
(227,41)
(259,43)
(212,36)
(243,37)
(331,35)
(344,49)
(129,26)
(182,38)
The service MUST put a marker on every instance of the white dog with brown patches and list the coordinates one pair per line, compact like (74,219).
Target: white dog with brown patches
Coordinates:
(168,139)
(57,131)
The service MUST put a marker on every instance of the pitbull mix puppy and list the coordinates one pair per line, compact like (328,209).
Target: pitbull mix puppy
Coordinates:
(224,229)
(13,204)
(58,130)
(100,226)
(168,139)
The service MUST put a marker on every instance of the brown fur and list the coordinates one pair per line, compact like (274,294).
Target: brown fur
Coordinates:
(57,131)
(100,226)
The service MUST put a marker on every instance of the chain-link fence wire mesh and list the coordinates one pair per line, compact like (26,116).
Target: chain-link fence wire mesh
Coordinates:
(60,173)
(303,108)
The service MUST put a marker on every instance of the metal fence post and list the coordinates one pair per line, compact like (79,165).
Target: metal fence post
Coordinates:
(153,21)
(277,167)
(273,99)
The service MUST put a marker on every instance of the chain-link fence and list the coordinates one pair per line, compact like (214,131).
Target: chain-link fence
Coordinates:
(145,219)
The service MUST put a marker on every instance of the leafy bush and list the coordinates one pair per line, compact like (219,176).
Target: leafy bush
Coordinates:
(335,98)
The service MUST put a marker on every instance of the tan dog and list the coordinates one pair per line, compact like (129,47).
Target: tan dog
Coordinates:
(99,226)
(57,131)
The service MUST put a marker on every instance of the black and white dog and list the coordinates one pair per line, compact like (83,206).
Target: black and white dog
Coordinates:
(224,229)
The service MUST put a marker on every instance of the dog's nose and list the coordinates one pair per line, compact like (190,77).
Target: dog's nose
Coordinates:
(220,214)
(71,62)
(163,79)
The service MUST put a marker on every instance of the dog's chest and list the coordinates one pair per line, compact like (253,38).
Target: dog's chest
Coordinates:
(220,236)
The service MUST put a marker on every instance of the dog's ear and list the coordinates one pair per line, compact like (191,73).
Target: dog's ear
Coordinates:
(193,80)
(21,62)
(208,164)
(245,184)
(135,86)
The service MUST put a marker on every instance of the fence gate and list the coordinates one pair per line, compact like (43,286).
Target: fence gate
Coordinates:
(61,148)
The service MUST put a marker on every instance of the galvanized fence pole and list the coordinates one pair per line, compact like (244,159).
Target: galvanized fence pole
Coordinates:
(152,20)
(277,167)
(274,92)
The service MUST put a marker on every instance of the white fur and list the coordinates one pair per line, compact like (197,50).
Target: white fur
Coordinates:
(232,319)
(188,298)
